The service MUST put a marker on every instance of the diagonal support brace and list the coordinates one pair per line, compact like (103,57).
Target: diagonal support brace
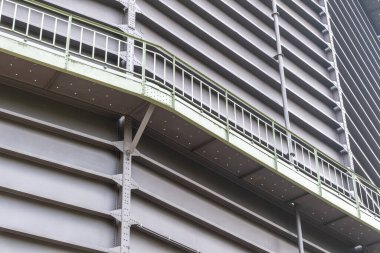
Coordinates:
(141,129)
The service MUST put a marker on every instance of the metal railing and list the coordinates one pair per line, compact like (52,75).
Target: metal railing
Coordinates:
(74,35)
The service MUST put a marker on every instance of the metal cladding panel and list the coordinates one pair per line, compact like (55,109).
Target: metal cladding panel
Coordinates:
(104,11)
(54,186)
(208,48)
(234,44)
(43,219)
(141,242)
(178,228)
(358,58)
(36,179)
(208,210)
(48,110)
(197,202)
(15,244)
(40,143)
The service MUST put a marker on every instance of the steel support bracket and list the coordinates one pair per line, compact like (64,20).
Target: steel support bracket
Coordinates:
(118,179)
(344,150)
(131,183)
(337,108)
(277,55)
(123,2)
(126,3)
(275,13)
(328,50)
(141,129)
(114,250)
(119,145)
(133,222)
(116,214)
(128,30)
(334,87)
(330,68)
(340,129)
(136,153)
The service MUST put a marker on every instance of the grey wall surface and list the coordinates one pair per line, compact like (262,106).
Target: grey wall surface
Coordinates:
(45,191)
(233,43)
(359,60)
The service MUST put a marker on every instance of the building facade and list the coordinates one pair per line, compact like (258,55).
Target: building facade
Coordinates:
(189,126)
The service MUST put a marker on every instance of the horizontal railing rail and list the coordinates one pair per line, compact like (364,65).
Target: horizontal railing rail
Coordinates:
(107,46)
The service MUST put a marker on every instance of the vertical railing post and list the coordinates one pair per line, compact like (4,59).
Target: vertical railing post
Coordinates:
(317,168)
(357,199)
(14,17)
(1,8)
(143,67)
(274,145)
(227,121)
(174,85)
(68,37)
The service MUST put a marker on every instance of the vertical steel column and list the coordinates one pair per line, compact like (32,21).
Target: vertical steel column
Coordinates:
(337,89)
(126,187)
(131,28)
(299,231)
(280,59)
